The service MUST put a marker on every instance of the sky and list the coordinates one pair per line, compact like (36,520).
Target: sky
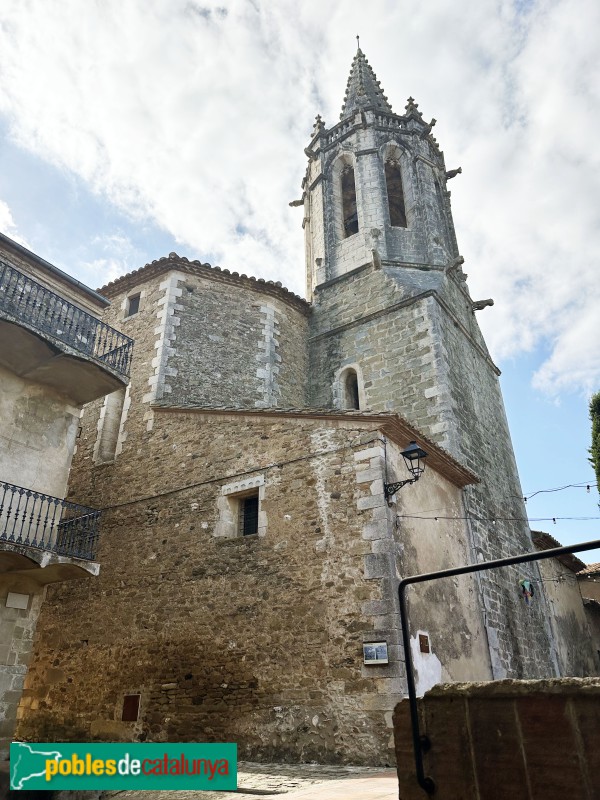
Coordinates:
(130,129)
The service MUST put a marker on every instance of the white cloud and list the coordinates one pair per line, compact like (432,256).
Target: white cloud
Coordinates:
(7,224)
(115,256)
(196,114)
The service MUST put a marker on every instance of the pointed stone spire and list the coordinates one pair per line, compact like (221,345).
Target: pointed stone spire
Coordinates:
(363,89)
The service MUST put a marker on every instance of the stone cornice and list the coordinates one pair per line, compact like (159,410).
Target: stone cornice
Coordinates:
(402,304)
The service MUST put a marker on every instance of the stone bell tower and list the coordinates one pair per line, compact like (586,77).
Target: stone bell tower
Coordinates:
(375,188)
(393,328)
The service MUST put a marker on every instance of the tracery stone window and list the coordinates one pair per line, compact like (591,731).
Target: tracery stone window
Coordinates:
(349,208)
(395,193)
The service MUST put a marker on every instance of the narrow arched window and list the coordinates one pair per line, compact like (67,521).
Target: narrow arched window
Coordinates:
(349,212)
(395,192)
(351,399)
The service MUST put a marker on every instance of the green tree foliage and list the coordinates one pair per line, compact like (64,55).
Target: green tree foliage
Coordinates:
(595,448)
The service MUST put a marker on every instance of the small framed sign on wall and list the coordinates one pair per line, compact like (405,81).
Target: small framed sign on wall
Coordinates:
(375,653)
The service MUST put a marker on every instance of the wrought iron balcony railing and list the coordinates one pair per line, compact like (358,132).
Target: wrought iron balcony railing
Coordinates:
(31,519)
(27,300)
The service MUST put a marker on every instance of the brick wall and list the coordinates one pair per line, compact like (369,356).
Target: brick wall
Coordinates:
(505,739)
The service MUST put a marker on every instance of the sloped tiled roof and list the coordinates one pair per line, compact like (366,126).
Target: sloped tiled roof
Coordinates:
(543,541)
(590,569)
(176,262)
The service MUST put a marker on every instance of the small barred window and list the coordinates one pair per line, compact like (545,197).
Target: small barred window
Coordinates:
(248,515)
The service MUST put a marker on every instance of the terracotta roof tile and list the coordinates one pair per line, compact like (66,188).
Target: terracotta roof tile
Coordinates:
(176,262)
(543,541)
(590,569)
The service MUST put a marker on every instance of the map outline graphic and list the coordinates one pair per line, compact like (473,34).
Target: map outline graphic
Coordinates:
(18,784)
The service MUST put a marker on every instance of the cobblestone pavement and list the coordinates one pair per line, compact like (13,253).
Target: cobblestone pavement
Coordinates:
(296,782)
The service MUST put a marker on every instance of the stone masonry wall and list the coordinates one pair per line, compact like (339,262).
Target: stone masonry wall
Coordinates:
(204,342)
(577,655)
(213,340)
(254,639)
(505,739)
(365,142)
(476,429)
(258,639)
(249,351)
(369,319)
(251,639)
(17,626)
(420,354)
(147,330)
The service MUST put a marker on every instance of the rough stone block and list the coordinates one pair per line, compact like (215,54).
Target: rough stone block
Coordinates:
(376,566)
(366,503)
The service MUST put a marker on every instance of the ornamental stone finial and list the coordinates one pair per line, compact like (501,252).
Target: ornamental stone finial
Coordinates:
(318,125)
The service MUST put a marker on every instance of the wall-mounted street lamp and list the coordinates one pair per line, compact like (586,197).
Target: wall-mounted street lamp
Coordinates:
(414,458)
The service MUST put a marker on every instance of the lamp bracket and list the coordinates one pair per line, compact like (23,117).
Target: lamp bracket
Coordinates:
(390,489)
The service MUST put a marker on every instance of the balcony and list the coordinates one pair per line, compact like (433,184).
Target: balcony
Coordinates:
(48,339)
(41,531)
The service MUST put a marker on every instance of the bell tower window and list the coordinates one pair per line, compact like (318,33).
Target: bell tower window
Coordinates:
(349,210)
(395,193)
(352,400)
(348,389)
(351,397)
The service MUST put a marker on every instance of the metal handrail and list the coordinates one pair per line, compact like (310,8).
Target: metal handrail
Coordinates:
(25,299)
(33,519)
(422,744)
